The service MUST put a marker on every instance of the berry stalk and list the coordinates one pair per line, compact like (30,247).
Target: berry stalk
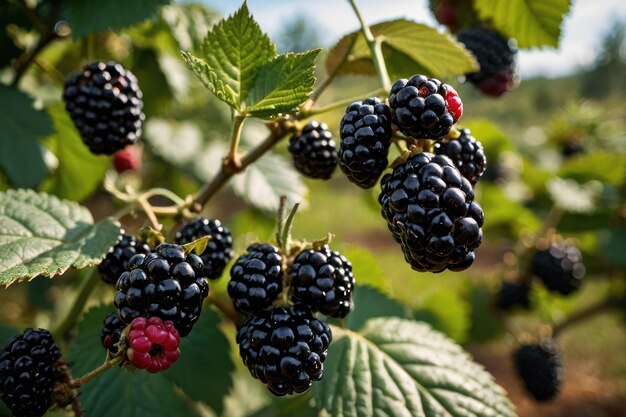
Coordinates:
(87,287)
(96,372)
(584,314)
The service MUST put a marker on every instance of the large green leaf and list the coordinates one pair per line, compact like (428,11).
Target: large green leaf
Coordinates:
(42,235)
(204,370)
(370,303)
(397,367)
(532,23)
(118,392)
(408,47)
(446,311)
(85,17)
(79,172)
(21,157)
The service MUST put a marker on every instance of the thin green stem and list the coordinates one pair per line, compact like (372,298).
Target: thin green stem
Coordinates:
(164,192)
(84,292)
(98,371)
(280,223)
(584,314)
(338,104)
(233,159)
(286,232)
(375,48)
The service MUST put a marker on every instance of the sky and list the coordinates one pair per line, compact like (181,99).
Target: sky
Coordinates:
(583,28)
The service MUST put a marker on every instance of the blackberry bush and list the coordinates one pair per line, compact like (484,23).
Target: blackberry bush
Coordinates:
(467,154)
(104,102)
(560,267)
(541,369)
(314,151)
(116,261)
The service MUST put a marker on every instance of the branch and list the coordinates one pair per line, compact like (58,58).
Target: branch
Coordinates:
(87,287)
(28,57)
(98,371)
(584,314)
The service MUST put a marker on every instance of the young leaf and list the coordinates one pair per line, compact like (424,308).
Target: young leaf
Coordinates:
(21,157)
(42,235)
(198,246)
(398,367)
(532,23)
(370,303)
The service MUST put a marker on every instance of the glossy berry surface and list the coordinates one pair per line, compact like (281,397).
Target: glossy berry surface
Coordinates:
(112,327)
(219,248)
(166,284)
(429,207)
(127,160)
(105,104)
(28,371)
(541,369)
(116,261)
(256,278)
(153,344)
(365,139)
(560,267)
(323,281)
(314,151)
(467,154)
(285,348)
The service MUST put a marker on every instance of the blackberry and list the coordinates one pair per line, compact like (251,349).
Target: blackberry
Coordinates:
(29,368)
(116,261)
(314,151)
(541,369)
(424,108)
(256,278)
(153,344)
(104,102)
(512,294)
(285,348)
(467,154)
(323,281)
(128,159)
(112,327)
(560,267)
(165,284)
(496,56)
(365,139)
(219,249)
(429,207)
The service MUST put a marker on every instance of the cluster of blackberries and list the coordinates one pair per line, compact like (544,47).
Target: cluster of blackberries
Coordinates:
(541,369)
(285,346)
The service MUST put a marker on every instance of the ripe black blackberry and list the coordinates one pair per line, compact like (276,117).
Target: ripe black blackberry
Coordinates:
(365,139)
(314,151)
(256,278)
(560,267)
(323,281)
(104,102)
(424,108)
(165,284)
(219,249)
(29,368)
(429,207)
(116,261)
(496,56)
(541,369)
(467,154)
(285,348)
(513,294)
(112,327)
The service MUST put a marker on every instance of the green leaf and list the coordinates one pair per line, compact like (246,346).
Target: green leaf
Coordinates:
(204,370)
(485,324)
(367,268)
(408,47)
(397,367)
(42,235)
(79,172)
(446,311)
(118,392)
(370,303)
(85,17)
(532,23)
(593,166)
(21,157)
(614,247)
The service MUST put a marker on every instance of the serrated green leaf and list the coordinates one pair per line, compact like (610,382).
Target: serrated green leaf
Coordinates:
(86,17)
(446,312)
(397,367)
(43,235)
(370,303)
(79,172)
(21,156)
(204,370)
(118,392)
(532,23)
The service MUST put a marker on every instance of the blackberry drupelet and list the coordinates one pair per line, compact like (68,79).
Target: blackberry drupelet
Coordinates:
(314,151)
(512,294)
(165,284)
(153,344)
(323,281)
(541,369)
(104,102)
(424,108)
(112,327)
(116,261)
(219,249)
(429,207)
(256,278)
(285,348)
(467,154)
(365,139)
(496,56)
(28,371)
(560,267)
